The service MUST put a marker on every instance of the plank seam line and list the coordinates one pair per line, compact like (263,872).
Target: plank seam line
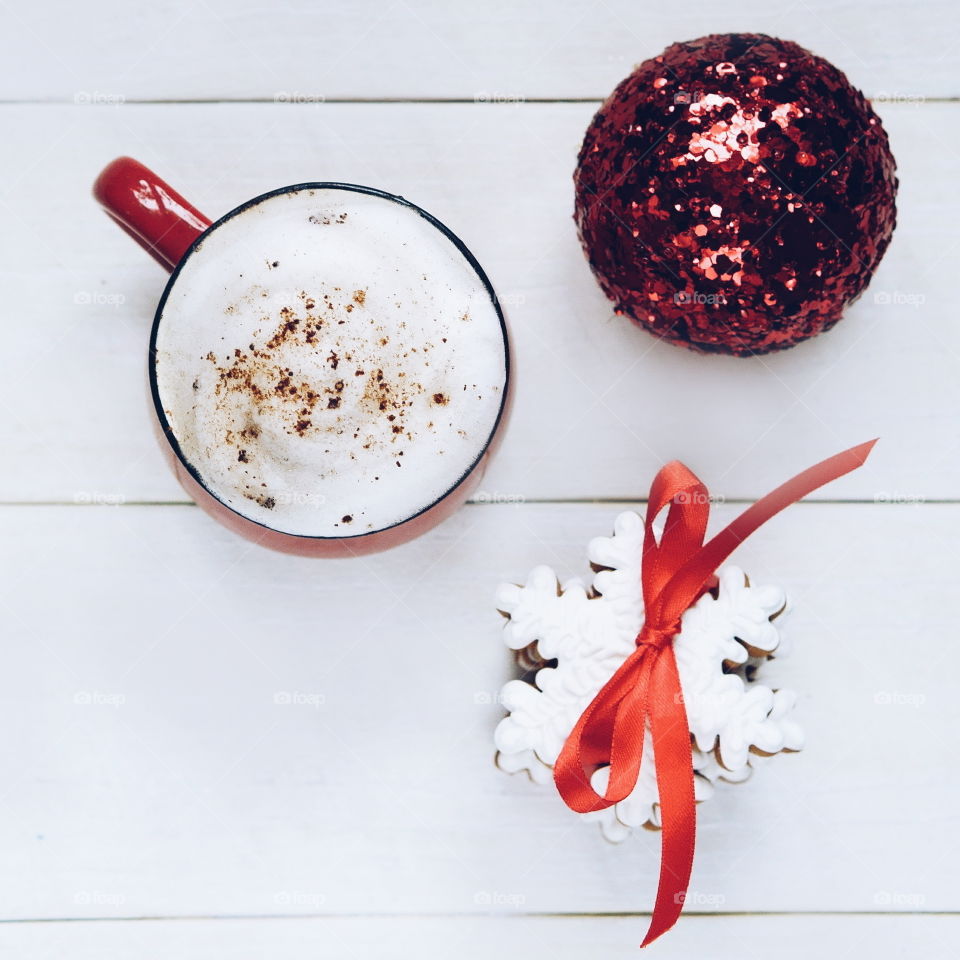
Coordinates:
(519,101)
(531,501)
(513,915)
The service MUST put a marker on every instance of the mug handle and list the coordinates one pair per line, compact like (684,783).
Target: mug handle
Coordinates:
(148,209)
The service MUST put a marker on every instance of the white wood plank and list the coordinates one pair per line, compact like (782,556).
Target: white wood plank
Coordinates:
(477,938)
(600,405)
(148,768)
(176,49)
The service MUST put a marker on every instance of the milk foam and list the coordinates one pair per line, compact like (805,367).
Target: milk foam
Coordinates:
(329,362)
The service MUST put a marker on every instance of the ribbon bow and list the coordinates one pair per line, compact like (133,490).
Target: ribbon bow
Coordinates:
(646,687)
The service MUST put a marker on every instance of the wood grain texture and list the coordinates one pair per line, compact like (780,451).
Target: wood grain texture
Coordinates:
(430,48)
(600,404)
(477,938)
(199,727)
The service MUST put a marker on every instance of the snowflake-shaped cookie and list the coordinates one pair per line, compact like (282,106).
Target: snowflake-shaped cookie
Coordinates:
(570,640)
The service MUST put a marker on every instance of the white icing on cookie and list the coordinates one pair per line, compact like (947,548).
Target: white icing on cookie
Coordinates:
(732,720)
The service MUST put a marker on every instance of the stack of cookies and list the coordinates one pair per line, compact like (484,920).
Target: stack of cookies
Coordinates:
(570,638)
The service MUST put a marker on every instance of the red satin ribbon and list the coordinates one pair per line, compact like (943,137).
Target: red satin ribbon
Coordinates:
(646,687)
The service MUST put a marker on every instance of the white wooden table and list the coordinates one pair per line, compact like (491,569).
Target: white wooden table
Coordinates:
(157,799)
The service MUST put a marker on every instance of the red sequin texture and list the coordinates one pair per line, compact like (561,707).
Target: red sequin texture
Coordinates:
(735,193)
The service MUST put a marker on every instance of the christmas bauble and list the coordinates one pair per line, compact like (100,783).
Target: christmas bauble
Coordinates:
(735,193)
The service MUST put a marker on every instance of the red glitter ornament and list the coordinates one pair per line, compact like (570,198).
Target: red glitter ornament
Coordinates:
(735,193)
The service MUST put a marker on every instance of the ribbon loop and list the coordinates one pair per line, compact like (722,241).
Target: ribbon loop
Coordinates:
(645,691)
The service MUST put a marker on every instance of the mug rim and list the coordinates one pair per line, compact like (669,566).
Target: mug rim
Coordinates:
(194,247)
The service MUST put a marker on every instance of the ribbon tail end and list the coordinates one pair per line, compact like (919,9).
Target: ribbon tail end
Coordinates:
(658,928)
(863,450)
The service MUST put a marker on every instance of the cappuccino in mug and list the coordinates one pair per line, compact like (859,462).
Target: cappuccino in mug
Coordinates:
(329,361)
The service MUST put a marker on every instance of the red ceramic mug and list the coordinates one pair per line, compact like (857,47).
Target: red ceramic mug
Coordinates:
(329,365)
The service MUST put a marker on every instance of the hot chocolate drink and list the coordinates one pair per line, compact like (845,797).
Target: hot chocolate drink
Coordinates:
(330,363)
